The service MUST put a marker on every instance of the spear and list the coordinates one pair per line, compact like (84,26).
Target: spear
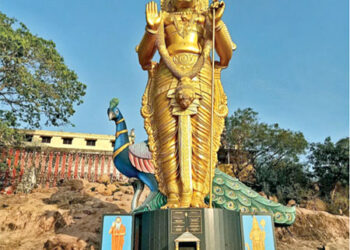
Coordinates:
(212,112)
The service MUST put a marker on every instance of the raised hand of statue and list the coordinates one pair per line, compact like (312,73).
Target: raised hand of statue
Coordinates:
(153,18)
(219,10)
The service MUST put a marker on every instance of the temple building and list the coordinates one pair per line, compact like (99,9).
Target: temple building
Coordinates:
(58,155)
(69,140)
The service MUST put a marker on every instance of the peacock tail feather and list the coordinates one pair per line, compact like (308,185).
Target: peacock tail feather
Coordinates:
(229,193)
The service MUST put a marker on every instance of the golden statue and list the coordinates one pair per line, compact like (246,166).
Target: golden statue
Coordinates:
(257,235)
(177,104)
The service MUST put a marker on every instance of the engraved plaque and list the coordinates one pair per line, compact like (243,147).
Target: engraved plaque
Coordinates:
(186,220)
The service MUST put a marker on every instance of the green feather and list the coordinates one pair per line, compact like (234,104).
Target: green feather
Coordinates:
(229,193)
(113,103)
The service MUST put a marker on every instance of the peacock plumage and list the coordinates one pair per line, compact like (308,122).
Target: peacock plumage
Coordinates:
(133,161)
(228,192)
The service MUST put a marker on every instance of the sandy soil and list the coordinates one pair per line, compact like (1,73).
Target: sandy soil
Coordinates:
(69,217)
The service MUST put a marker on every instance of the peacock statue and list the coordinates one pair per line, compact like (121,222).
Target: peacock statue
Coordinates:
(134,161)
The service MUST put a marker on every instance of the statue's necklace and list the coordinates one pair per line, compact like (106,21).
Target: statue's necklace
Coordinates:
(177,72)
(183,22)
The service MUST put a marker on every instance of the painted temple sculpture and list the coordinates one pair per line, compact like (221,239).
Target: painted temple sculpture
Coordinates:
(180,106)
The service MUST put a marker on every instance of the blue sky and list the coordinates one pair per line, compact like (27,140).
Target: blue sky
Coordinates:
(291,63)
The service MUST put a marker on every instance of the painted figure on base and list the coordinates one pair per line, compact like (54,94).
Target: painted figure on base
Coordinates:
(117,232)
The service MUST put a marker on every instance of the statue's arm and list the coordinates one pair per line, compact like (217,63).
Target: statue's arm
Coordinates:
(147,47)
(223,43)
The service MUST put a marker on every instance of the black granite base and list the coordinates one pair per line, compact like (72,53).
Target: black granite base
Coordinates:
(213,229)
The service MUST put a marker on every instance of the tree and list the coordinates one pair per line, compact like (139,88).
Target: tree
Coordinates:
(36,87)
(330,164)
(257,144)
(287,180)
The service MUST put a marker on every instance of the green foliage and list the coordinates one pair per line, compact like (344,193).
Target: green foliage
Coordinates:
(259,144)
(330,164)
(287,180)
(272,151)
(274,154)
(36,87)
(8,135)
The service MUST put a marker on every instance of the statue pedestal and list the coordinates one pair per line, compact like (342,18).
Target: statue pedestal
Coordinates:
(188,229)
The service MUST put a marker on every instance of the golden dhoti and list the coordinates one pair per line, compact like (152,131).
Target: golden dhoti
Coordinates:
(162,125)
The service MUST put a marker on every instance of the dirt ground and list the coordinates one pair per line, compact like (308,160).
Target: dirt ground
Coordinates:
(69,217)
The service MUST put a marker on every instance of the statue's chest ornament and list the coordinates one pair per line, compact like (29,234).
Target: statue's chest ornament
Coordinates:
(183,66)
(183,23)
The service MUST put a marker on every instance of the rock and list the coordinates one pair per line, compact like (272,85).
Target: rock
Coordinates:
(273,198)
(12,226)
(104,179)
(100,188)
(88,212)
(75,185)
(116,196)
(112,187)
(62,241)
(107,192)
(64,199)
(89,203)
(263,194)
(51,220)
(117,184)
(316,204)
(291,203)
(98,205)
(127,191)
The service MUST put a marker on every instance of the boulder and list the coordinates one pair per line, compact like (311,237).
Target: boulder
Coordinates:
(113,188)
(117,196)
(291,203)
(104,179)
(65,242)
(75,185)
(100,188)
